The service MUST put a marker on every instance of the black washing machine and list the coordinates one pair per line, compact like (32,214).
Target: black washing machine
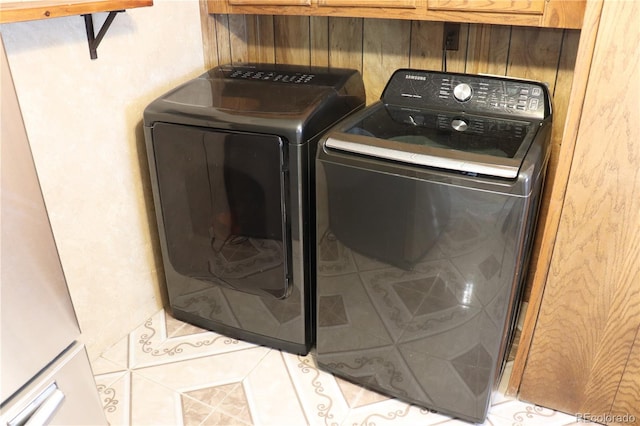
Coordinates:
(427,203)
(231,156)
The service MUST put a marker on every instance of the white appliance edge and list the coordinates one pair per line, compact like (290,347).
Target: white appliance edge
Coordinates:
(39,328)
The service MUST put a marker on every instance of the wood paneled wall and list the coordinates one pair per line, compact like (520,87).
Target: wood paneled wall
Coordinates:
(377,47)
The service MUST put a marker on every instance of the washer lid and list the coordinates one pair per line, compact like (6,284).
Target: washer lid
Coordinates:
(453,141)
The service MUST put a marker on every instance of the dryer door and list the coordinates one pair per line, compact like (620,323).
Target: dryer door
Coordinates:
(223,206)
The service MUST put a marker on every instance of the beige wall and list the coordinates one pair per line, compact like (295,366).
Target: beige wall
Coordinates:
(83,119)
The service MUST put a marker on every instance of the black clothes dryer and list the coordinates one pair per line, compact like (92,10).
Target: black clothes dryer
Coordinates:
(231,156)
(427,203)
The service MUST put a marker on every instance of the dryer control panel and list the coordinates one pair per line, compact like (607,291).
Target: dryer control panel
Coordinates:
(476,94)
(283,74)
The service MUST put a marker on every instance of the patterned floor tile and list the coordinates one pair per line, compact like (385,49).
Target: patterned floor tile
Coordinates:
(115,396)
(150,344)
(521,413)
(102,366)
(581,423)
(194,412)
(154,404)
(320,395)
(235,403)
(118,354)
(393,412)
(497,421)
(357,396)
(368,397)
(272,396)
(205,372)
(350,391)
(219,418)
(170,372)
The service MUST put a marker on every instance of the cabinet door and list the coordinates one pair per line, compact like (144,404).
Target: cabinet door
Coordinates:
(269,2)
(501,6)
(407,4)
(535,13)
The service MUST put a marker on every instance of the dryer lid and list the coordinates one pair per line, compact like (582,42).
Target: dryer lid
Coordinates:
(262,89)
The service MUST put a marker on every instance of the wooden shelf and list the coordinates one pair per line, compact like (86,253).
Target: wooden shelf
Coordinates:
(45,9)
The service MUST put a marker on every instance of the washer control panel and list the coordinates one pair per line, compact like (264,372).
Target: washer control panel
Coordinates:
(468,93)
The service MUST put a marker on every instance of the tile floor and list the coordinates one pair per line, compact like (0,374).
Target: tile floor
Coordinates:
(167,372)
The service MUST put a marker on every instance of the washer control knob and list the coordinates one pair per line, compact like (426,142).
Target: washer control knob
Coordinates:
(462,92)
(459,124)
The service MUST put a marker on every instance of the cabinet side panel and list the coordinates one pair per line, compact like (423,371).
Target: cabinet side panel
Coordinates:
(555,193)
(591,305)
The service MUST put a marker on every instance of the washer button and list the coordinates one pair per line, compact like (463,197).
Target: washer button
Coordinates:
(459,124)
(533,104)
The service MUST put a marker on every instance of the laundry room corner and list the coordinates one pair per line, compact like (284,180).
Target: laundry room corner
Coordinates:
(83,119)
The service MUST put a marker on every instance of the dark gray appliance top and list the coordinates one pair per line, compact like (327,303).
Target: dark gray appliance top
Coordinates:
(265,98)
(471,124)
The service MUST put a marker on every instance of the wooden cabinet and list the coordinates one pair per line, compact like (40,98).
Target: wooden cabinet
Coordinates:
(535,13)
(584,358)
(535,7)
(269,2)
(221,5)
(410,4)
